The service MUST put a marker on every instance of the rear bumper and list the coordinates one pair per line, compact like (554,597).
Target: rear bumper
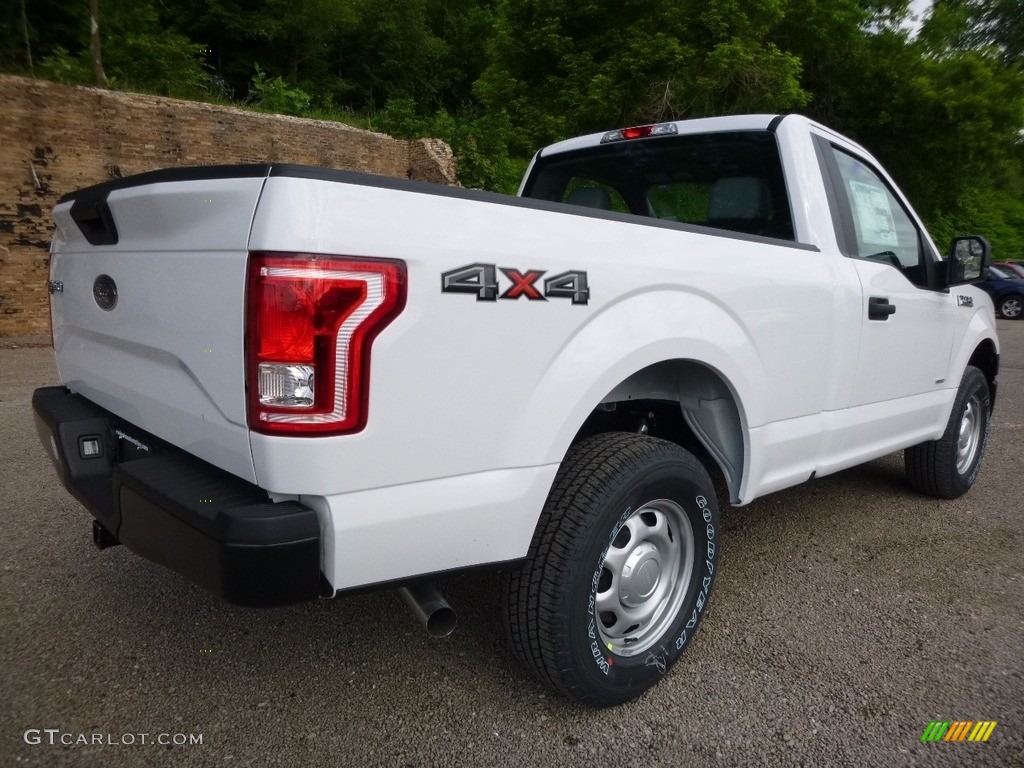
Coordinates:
(213,528)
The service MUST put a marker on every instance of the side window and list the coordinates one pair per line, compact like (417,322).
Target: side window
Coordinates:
(883,229)
(593,194)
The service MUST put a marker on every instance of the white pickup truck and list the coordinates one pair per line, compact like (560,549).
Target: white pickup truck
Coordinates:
(286,382)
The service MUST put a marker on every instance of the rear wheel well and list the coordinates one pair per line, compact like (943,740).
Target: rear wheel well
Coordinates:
(683,402)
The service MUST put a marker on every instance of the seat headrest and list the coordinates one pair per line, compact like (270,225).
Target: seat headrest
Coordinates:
(740,197)
(591,197)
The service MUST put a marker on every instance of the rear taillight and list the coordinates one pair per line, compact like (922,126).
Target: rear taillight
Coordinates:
(311,322)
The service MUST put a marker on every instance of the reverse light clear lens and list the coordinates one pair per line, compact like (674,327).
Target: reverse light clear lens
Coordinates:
(287,386)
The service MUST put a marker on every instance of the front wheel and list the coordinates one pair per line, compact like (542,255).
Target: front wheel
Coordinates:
(619,571)
(1011,307)
(947,467)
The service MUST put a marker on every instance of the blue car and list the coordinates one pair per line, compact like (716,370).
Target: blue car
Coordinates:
(1007,292)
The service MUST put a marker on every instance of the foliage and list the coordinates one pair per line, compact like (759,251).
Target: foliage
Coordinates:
(61,67)
(480,142)
(274,95)
(167,64)
(561,67)
(996,213)
(974,24)
(943,110)
(139,52)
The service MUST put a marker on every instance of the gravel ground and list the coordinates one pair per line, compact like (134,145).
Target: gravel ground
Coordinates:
(848,613)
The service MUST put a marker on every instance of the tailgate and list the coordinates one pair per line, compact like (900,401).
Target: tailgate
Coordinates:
(149,308)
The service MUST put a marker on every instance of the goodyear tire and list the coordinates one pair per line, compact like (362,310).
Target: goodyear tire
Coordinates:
(947,467)
(619,571)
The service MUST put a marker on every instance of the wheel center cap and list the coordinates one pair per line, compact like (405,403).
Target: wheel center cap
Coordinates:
(647,577)
(640,575)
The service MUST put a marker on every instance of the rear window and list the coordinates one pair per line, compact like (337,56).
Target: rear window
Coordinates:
(730,181)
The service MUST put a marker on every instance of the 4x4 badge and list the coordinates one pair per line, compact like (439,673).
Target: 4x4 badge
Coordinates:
(965,301)
(481,280)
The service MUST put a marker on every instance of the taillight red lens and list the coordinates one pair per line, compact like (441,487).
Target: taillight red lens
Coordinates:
(311,321)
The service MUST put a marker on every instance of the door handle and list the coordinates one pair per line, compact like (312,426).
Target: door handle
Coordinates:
(879,308)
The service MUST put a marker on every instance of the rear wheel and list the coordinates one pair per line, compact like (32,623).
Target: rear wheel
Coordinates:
(947,467)
(619,571)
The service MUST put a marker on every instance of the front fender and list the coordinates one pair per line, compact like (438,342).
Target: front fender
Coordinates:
(980,328)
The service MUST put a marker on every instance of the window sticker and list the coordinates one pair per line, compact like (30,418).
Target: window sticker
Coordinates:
(874,214)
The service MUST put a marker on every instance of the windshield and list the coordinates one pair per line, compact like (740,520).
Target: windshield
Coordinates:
(729,181)
(1000,273)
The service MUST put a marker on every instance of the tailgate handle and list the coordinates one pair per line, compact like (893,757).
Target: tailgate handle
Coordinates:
(94,219)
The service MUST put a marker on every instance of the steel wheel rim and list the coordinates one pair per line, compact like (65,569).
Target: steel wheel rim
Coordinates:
(969,436)
(644,577)
(1012,307)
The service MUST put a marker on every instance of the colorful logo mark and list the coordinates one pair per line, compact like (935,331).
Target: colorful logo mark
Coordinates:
(958,730)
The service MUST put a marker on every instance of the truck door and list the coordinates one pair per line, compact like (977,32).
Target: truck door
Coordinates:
(907,319)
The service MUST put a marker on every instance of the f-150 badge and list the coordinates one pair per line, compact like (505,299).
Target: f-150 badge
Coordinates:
(482,281)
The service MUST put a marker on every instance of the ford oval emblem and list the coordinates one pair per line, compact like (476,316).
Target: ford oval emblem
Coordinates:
(104,290)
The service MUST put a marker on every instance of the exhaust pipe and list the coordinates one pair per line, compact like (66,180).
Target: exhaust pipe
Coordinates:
(430,608)
(101,537)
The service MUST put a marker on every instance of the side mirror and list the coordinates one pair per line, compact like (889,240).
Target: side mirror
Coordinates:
(969,260)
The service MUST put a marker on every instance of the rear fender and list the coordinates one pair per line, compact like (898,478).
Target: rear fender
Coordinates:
(603,359)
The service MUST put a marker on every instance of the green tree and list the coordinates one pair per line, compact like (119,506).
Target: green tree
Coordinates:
(99,77)
(973,78)
(40,27)
(975,24)
(465,27)
(394,54)
(137,51)
(560,67)
(499,78)
(942,111)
